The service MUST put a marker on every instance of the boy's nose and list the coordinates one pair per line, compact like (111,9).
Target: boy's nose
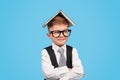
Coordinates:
(61,34)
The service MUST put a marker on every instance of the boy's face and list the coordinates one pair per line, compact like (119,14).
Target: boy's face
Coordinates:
(55,30)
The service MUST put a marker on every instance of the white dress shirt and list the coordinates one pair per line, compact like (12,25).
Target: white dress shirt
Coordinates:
(61,73)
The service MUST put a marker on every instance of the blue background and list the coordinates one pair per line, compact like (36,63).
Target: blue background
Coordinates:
(96,36)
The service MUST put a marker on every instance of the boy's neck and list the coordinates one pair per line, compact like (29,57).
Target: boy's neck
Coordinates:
(58,45)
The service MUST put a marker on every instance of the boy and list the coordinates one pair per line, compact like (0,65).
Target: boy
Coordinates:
(60,61)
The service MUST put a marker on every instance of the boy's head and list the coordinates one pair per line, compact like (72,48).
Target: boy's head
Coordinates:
(58,30)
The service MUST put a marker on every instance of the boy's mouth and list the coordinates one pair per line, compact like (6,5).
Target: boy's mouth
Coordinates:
(61,39)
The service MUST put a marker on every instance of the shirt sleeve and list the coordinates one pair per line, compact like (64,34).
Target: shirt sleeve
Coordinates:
(48,69)
(77,71)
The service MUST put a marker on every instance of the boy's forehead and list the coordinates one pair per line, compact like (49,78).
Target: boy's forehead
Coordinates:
(57,16)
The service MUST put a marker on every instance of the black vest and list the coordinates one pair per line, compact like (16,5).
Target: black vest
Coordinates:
(53,57)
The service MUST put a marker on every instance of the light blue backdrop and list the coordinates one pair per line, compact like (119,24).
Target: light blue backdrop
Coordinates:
(96,36)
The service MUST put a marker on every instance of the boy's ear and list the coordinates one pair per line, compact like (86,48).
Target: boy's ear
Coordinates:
(48,35)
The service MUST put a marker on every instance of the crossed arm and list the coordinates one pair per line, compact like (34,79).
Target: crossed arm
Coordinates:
(62,73)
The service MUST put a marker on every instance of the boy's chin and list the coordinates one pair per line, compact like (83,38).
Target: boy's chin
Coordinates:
(61,44)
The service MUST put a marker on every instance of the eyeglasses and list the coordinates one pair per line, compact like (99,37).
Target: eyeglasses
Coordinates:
(57,33)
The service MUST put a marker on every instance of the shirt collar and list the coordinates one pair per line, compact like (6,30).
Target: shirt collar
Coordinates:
(55,47)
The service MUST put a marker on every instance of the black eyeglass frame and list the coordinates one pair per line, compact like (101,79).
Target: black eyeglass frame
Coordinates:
(52,32)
